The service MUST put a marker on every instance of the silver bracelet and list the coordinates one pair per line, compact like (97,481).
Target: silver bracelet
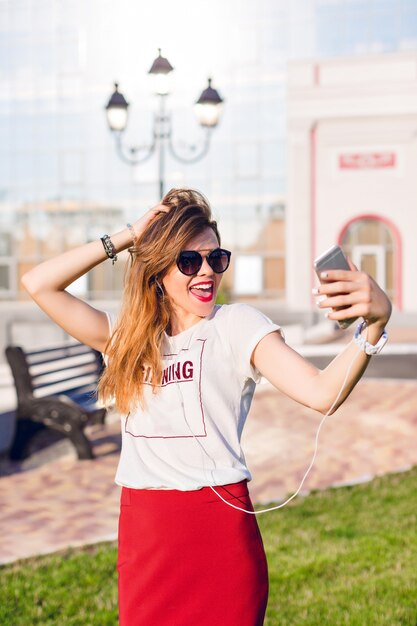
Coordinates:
(364,345)
(109,248)
(132,232)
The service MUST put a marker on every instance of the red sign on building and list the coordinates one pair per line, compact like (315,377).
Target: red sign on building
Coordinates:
(367,160)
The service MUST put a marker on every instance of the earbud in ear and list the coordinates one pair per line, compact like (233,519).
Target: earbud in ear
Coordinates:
(159,288)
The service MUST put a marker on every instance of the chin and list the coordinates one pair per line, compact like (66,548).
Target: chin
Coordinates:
(205,310)
(202,309)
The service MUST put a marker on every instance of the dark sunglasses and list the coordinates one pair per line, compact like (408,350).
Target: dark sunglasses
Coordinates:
(189,262)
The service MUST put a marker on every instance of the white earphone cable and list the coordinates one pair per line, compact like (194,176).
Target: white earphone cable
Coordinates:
(279,506)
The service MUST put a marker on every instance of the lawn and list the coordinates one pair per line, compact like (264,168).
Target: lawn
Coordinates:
(341,556)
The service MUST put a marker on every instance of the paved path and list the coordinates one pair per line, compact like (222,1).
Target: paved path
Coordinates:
(69,502)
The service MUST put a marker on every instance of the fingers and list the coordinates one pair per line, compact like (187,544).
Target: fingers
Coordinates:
(350,294)
(371,304)
(344,314)
(339,287)
(343,281)
(346,305)
(334,275)
(342,300)
(159,208)
(151,214)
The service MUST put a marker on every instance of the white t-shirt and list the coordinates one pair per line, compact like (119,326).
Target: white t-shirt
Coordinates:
(189,434)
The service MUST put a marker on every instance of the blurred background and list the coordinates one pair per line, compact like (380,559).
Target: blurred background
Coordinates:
(314,141)
(298,120)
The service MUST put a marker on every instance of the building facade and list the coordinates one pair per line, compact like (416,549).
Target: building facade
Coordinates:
(58,61)
(352,160)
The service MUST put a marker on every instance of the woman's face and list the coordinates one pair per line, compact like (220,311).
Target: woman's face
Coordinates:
(193,297)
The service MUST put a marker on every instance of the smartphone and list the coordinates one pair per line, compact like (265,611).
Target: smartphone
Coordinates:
(334,259)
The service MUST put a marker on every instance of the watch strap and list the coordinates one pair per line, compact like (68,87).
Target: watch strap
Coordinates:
(364,345)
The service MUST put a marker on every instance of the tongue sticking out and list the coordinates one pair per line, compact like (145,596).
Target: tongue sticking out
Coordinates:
(203,293)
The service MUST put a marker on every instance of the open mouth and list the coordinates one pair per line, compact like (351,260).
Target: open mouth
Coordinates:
(203,291)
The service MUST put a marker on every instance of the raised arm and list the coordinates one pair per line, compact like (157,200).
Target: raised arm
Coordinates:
(299,379)
(46,284)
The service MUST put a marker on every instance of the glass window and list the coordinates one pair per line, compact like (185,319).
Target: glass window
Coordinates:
(23,132)
(302,40)
(45,131)
(45,165)
(387,5)
(248,275)
(44,57)
(247,160)
(4,52)
(5,244)
(408,29)
(331,35)
(274,42)
(71,165)
(357,34)
(70,131)
(360,7)
(68,50)
(22,168)
(5,175)
(274,275)
(245,43)
(373,244)
(4,278)
(21,16)
(274,158)
(384,30)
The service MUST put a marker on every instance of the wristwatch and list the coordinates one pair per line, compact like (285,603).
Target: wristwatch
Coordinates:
(364,345)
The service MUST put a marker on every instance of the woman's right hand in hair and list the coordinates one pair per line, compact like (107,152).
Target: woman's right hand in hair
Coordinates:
(142,223)
(47,284)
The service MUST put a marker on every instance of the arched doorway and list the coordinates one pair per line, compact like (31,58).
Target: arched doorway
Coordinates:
(374,245)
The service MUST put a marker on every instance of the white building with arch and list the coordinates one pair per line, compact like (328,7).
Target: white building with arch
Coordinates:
(352,166)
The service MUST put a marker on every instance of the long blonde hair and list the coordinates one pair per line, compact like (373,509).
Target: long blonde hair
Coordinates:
(145,314)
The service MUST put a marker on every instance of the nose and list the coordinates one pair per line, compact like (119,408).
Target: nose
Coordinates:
(205,269)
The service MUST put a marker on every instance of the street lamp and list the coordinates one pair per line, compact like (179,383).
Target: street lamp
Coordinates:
(208,109)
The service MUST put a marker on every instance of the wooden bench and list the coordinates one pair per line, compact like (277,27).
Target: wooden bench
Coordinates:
(56,389)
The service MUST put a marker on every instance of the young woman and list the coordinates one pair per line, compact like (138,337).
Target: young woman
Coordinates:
(182,372)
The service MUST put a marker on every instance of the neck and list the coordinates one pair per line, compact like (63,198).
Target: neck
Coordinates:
(179,323)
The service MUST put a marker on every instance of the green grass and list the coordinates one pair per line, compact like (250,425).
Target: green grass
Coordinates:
(342,556)
(346,556)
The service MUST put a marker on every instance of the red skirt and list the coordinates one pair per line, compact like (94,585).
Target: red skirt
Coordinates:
(187,559)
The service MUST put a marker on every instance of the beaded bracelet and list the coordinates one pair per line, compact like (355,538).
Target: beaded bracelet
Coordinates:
(132,232)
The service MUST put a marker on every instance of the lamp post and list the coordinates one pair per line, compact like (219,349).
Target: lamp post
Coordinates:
(208,110)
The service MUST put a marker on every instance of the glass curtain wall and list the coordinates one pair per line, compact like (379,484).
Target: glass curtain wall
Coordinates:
(61,182)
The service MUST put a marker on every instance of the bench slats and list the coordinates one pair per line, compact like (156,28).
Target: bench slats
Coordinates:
(52,366)
(55,353)
(41,376)
(70,373)
(64,386)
